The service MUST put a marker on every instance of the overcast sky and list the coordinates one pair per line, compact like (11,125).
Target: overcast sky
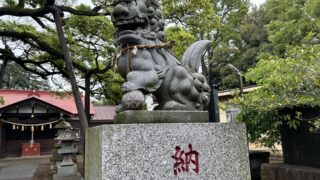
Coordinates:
(257,2)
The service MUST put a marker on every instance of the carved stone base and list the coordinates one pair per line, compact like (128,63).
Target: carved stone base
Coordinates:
(67,173)
(167,151)
(67,170)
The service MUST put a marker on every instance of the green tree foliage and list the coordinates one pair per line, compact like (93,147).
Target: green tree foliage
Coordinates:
(16,77)
(94,46)
(216,20)
(286,83)
(91,38)
(110,88)
(254,38)
(198,17)
(292,22)
(182,38)
(284,34)
(32,43)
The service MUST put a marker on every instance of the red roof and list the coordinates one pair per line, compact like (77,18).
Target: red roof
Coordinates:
(63,100)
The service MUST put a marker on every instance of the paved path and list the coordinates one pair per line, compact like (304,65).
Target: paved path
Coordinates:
(20,168)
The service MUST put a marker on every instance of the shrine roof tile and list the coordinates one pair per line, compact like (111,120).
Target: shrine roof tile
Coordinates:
(63,100)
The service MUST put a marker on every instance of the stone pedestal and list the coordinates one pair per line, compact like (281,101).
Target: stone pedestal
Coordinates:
(136,117)
(167,151)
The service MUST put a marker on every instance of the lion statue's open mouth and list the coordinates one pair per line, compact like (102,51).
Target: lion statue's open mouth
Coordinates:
(130,20)
(132,24)
(129,29)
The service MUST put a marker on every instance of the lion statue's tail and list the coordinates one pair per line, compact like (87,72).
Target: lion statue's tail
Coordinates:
(192,57)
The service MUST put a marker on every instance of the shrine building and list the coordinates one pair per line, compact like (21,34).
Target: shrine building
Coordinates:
(29,116)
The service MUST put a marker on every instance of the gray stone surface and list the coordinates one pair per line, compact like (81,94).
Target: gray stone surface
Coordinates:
(67,170)
(20,168)
(280,171)
(74,177)
(144,151)
(67,173)
(133,117)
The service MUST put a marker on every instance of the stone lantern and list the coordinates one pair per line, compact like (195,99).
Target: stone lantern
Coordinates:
(66,143)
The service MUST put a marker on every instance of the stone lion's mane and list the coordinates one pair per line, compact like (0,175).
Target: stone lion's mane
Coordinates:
(155,20)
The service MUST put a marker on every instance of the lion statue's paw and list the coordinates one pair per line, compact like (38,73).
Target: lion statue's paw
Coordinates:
(133,100)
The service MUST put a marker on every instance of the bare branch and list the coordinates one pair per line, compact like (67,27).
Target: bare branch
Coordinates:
(48,18)
(7,54)
(41,45)
(92,12)
(42,11)
(40,22)
(20,12)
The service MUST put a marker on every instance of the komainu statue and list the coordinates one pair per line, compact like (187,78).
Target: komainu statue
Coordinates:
(146,62)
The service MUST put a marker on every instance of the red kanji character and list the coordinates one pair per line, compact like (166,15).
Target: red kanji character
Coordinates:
(183,160)
(192,157)
(179,164)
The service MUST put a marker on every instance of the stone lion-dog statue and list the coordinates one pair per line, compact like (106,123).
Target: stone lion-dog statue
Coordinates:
(146,61)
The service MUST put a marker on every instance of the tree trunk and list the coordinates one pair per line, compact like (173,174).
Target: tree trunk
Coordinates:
(87,96)
(72,78)
(2,71)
